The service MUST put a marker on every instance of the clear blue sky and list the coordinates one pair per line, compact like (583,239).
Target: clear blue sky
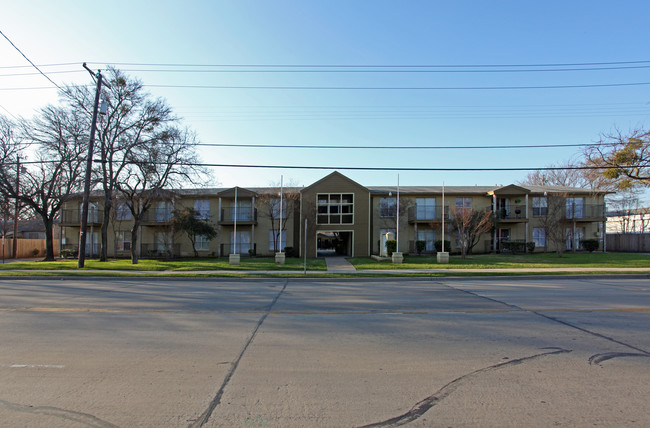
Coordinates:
(398,33)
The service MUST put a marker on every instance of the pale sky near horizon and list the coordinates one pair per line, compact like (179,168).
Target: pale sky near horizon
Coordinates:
(227,42)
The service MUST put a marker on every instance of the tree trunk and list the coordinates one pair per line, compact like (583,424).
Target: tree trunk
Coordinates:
(108,204)
(134,242)
(49,239)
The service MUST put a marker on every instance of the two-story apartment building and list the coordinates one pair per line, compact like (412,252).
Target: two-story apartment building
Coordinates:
(338,215)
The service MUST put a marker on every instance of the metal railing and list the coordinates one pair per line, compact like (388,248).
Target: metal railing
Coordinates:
(513,212)
(73,217)
(427,213)
(160,251)
(243,214)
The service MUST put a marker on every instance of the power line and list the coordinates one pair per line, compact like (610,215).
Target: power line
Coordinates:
(361,168)
(402,88)
(298,146)
(30,61)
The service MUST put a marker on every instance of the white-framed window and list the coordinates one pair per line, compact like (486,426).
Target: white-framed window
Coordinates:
(243,243)
(93,212)
(275,208)
(425,208)
(335,208)
(540,206)
(574,241)
(122,211)
(202,206)
(463,204)
(277,240)
(539,237)
(428,236)
(123,241)
(202,243)
(575,207)
(388,207)
(244,210)
(163,211)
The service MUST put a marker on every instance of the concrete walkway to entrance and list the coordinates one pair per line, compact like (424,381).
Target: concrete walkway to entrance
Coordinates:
(339,265)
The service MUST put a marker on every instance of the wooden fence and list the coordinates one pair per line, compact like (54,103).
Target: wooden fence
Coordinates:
(629,242)
(25,248)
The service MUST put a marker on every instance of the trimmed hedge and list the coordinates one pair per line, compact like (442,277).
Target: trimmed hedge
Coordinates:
(590,245)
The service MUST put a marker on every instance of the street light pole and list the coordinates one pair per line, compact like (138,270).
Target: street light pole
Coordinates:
(16,210)
(89,167)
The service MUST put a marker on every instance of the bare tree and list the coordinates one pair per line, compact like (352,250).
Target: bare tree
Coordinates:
(624,158)
(56,171)
(555,222)
(152,170)
(269,203)
(470,224)
(570,173)
(134,120)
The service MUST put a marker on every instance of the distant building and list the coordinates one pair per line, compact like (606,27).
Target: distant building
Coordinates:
(630,221)
(342,216)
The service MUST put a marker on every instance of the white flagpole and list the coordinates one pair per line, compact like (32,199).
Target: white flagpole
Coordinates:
(397,229)
(235,228)
(443,216)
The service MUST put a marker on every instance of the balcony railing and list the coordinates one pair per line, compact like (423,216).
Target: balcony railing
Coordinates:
(160,251)
(243,215)
(73,217)
(157,216)
(587,212)
(240,248)
(427,213)
(513,212)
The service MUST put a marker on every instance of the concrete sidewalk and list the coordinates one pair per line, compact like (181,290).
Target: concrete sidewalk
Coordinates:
(339,265)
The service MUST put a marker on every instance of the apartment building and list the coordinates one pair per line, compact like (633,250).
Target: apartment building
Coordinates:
(336,215)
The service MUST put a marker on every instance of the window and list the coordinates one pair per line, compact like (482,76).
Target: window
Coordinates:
(425,208)
(382,237)
(277,240)
(463,204)
(244,211)
(275,208)
(539,237)
(123,241)
(335,208)
(388,207)
(202,206)
(540,206)
(122,212)
(163,211)
(243,243)
(574,241)
(575,207)
(428,236)
(93,212)
(202,243)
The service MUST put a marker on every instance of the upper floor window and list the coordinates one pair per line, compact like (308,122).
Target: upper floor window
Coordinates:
(540,206)
(335,208)
(202,207)
(164,211)
(122,211)
(575,207)
(425,208)
(275,208)
(463,204)
(388,207)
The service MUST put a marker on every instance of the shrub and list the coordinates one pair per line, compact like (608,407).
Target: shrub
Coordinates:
(530,247)
(438,245)
(391,247)
(290,252)
(514,246)
(420,246)
(69,254)
(35,252)
(590,245)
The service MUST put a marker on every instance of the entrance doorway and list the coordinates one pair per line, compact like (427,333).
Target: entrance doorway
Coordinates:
(334,243)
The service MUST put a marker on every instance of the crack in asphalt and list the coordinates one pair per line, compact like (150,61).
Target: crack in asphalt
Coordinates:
(557,320)
(205,416)
(423,406)
(70,415)
(599,358)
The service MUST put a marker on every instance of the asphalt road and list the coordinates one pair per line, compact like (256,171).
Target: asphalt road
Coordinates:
(324,353)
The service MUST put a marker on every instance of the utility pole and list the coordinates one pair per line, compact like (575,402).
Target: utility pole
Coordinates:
(16,210)
(89,167)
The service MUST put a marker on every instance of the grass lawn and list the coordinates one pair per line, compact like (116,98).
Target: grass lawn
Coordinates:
(506,261)
(200,264)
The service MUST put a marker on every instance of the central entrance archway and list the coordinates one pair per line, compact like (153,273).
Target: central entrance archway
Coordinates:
(334,243)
